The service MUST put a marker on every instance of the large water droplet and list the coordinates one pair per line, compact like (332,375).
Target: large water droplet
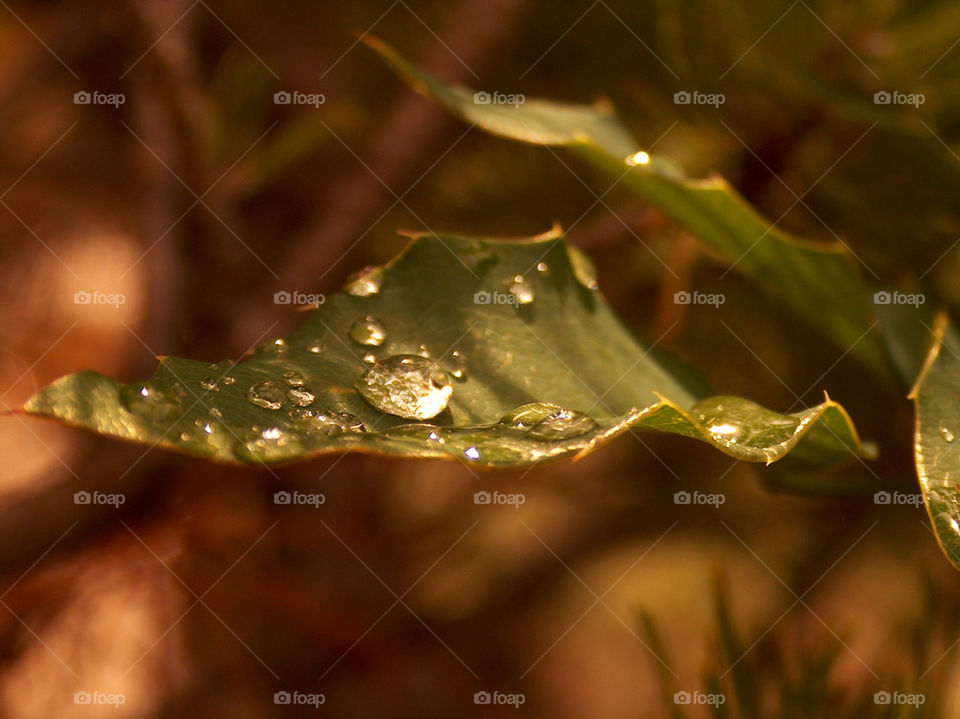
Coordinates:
(301,396)
(407,386)
(946,434)
(266,394)
(229,380)
(365,282)
(522,290)
(472,453)
(368,331)
(209,384)
(563,424)
(543,268)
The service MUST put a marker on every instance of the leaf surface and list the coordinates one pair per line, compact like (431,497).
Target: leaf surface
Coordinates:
(818,280)
(507,337)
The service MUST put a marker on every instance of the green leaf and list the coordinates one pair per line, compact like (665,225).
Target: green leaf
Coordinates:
(936,397)
(819,280)
(549,374)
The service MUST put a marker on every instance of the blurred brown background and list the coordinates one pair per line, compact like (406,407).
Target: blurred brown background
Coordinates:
(198,197)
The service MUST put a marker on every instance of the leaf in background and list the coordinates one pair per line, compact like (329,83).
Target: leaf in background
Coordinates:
(527,363)
(936,397)
(819,280)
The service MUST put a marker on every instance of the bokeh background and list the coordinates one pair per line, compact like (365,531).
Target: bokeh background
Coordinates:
(199,197)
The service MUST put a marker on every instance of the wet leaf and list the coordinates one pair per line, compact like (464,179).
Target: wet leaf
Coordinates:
(936,397)
(819,280)
(440,358)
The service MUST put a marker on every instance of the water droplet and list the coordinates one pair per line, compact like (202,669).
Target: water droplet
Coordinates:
(456,364)
(369,358)
(423,351)
(334,424)
(472,453)
(725,430)
(206,427)
(419,432)
(229,380)
(272,443)
(301,396)
(407,386)
(299,414)
(543,269)
(209,384)
(276,346)
(521,290)
(527,415)
(583,268)
(316,347)
(272,433)
(216,412)
(151,404)
(638,158)
(368,331)
(293,378)
(365,282)
(563,424)
(266,394)
(946,434)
